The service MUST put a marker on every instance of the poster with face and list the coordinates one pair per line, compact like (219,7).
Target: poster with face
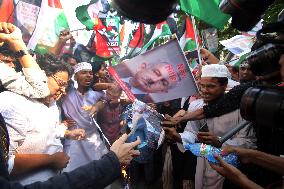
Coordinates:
(158,75)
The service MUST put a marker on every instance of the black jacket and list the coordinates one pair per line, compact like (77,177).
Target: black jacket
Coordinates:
(95,175)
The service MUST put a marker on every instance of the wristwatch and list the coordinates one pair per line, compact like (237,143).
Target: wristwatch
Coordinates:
(20,53)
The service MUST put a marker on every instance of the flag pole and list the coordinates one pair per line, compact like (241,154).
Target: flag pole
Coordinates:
(196,37)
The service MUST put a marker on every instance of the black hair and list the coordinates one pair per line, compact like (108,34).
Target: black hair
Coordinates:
(66,56)
(222,80)
(235,68)
(96,66)
(52,65)
(6,51)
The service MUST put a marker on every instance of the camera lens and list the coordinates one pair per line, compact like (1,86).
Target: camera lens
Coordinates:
(264,105)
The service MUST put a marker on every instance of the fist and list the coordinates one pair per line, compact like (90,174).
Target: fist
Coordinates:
(9,32)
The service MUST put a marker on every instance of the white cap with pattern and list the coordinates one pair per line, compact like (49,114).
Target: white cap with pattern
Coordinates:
(215,70)
(82,66)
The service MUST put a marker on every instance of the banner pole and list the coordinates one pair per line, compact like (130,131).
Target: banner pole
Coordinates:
(196,38)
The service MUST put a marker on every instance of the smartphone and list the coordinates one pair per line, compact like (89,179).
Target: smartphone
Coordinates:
(204,128)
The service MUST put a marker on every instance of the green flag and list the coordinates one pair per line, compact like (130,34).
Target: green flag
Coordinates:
(162,29)
(86,13)
(206,10)
(187,40)
(46,33)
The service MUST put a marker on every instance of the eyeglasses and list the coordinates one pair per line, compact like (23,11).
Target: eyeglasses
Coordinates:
(60,82)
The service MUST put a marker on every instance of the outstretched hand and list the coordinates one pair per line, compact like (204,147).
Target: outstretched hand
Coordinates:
(209,138)
(233,174)
(75,134)
(125,151)
(172,134)
(227,170)
(241,152)
(171,121)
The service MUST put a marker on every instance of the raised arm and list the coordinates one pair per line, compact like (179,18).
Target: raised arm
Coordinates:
(63,38)
(34,81)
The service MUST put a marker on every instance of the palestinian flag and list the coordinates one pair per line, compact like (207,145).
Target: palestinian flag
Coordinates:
(87,14)
(138,37)
(136,42)
(187,41)
(100,43)
(52,21)
(125,36)
(162,29)
(206,10)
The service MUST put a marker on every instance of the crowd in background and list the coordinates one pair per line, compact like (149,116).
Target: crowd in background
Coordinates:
(54,104)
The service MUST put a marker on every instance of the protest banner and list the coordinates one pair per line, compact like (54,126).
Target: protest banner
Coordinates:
(159,75)
(239,44)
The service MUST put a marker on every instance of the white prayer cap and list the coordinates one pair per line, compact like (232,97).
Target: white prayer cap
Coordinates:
(215,70)
(82,66)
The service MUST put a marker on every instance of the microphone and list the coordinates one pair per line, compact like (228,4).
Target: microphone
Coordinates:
(233,131)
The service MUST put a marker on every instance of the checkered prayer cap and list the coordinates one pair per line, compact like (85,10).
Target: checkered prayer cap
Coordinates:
(215,70)
(82,66)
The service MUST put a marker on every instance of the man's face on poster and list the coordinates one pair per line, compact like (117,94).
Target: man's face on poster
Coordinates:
(153,79)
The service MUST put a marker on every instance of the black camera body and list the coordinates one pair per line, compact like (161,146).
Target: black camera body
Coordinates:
(245,14)
(146,11)
(265,59)
(264,105)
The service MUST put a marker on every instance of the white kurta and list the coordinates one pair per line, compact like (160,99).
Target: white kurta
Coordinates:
(92,148)
(205,176)
(33,129)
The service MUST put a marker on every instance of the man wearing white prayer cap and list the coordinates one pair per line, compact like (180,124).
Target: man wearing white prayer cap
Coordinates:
(78,67)
(218,70)
(82,66)
(213,83)
(78,105)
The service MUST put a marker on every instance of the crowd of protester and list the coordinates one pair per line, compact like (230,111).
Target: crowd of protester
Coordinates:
(53,106)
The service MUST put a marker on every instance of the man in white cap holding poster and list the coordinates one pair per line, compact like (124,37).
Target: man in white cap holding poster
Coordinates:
(80,105)
(213,83)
